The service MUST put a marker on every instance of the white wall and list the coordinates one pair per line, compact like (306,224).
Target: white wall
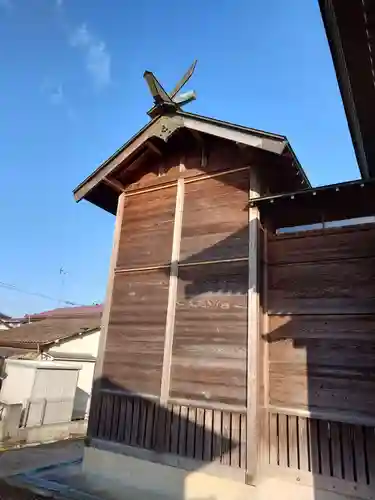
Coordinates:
(84,344)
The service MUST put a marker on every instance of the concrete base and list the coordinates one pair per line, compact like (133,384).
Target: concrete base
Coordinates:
(42,434)
(160,480)
(116,474)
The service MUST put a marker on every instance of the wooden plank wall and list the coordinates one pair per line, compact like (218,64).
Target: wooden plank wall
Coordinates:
(199,411)
(209,348)
(321,352)
(134,350)
(322,320)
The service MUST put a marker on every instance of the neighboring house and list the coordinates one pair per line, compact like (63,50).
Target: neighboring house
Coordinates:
(4,321)
(69,335)
(7,322)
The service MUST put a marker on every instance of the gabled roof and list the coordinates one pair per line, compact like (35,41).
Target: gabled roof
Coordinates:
(162,129)
(48,331)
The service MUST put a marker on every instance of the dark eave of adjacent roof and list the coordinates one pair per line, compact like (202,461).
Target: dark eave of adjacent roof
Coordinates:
(339,201)
(349,25)
(163,127)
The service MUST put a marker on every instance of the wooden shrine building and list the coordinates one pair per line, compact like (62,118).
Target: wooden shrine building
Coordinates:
(235,345)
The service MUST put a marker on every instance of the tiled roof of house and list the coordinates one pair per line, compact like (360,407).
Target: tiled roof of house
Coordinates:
(64,312)
(50,329)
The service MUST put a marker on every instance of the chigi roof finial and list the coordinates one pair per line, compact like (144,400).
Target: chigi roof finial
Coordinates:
(166,103)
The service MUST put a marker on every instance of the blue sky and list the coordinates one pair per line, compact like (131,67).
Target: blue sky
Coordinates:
(71,92)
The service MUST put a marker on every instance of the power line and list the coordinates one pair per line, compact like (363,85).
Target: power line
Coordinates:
(10,286)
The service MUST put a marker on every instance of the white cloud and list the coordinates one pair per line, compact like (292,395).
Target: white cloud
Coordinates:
(97,57)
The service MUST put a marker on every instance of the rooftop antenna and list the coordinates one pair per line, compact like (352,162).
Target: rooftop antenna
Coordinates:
(166,103)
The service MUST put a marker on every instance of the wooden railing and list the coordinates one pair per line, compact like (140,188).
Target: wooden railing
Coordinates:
(342,454)
(203,434)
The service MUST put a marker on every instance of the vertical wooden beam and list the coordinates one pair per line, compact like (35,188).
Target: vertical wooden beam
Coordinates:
(253,335)
(98,370)
(172,294)
(264,367)
(109,292)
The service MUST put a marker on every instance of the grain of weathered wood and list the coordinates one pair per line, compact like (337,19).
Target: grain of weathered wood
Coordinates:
(221,158)
(160,429)
(208,426)
(370,448)
(321,387)
(206,360)
(303,443)
(215,218)
(155,427)
(314,447)
(98,370)
(115,417)
(168,428)
(128,420)
(103,416)
(142,423)
(323,287)
(182,444)
(155,172)
(325,328)
(359,453)
(93,423)
(316,246)
(149,424)
(147,217)
(324,441)
(135,422)
(253,331)
(135,340)
(190,435)
(283,440)
(243,443)
(293,442)
(216,435)
(235,440)
(336,457)
(122,421)
(273,439)
(266,321)
(172,293)
(199,434)
(175,429)
(347,451)
(226,439)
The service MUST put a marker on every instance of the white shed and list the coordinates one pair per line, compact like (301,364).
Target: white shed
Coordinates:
(45,389)
(67,336)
